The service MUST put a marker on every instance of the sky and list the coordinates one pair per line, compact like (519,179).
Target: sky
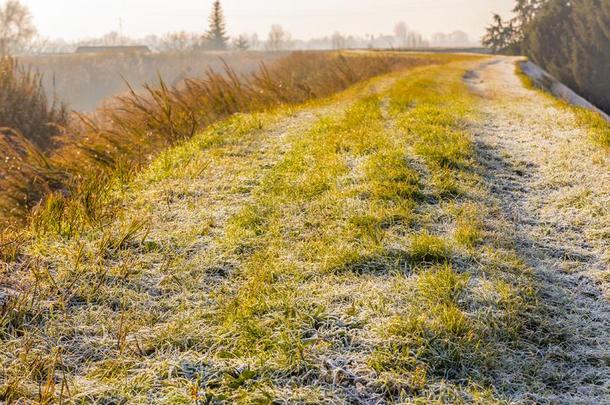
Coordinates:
(78,19)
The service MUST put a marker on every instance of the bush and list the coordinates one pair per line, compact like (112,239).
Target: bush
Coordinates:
(24,107)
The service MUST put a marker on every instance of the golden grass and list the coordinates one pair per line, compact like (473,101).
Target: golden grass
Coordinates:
(25,108)
(85,81)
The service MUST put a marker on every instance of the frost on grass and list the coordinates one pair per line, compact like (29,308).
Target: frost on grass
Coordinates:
(344,252)
(552,183)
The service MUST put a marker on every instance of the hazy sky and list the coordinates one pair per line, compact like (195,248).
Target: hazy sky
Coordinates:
(73,19)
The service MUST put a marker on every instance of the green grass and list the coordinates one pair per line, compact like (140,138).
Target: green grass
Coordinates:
(426,248)
(284,256)
(599,128)
(469,229)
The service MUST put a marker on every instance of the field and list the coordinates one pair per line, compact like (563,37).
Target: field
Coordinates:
(85,81)
(374,228)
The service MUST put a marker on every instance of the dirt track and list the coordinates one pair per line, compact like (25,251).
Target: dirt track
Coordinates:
(554,188)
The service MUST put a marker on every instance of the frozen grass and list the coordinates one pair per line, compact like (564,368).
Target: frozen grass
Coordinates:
(599,128)
(318,254)
(553,186)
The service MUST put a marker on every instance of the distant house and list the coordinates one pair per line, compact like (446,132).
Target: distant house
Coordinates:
(113,49)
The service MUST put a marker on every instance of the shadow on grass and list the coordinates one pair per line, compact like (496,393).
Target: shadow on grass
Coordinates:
(389,261)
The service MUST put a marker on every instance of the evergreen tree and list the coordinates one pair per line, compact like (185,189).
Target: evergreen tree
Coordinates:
(507,36)
(502,36)
(548,38)
(216,38)
(590,51)
(570,39)
(525,10)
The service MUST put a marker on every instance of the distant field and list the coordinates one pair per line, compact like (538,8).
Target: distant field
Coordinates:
(452,50)
(85,80)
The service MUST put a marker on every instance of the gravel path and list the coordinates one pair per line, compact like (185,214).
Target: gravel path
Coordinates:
(554,187)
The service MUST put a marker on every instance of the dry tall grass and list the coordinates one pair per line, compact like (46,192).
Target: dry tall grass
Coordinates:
(118,140)
(24,105)
(86,80)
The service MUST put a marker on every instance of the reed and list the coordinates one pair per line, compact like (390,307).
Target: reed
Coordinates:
(116,141)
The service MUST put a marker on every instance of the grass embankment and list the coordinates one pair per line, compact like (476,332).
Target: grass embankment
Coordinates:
(116,142)
(343,252)
(598,127)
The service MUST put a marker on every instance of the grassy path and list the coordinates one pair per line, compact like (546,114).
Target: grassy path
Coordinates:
(376,247)
(554,185)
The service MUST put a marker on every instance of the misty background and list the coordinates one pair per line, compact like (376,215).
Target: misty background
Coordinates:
(173,35)
(307,22)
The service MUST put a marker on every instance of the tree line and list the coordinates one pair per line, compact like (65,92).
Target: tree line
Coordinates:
(18,35)
(568,38)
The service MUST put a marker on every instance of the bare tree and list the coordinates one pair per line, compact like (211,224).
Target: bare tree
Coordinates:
(241,43)
(401,32)
(115,38)
(339,41)
(16,28)
(278,39)
(255,43)
(40,45)
(179,41)
(415,40)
